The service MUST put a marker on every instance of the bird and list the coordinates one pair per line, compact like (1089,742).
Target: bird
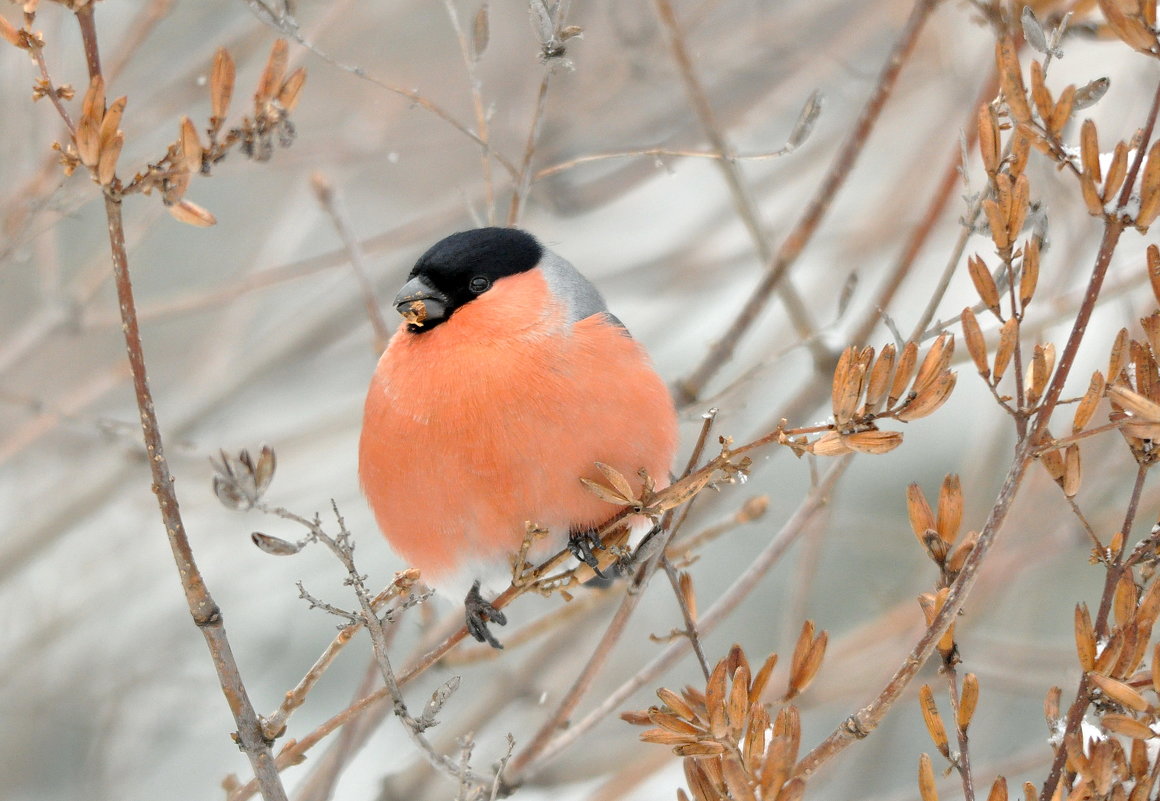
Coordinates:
(505,384)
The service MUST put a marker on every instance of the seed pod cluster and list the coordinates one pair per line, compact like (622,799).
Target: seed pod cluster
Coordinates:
(733,748)
(938,534)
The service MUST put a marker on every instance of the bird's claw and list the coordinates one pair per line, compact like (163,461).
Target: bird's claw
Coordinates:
(582,545)
(477,614)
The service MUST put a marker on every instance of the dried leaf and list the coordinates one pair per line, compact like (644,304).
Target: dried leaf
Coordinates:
(976,345)
(617,481)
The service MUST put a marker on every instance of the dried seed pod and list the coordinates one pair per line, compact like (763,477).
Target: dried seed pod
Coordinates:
(676,703)
(93,104)
(1116,172)
(1044,103)
(272,75)
(1051,706)
(1087,404)
(274,545)
(11,34)
(1127,726)
(849,394)
(1150,193)
(879,378)
(221,84)
(779,763)
(190,213)
(968,699)
(934,724)
(903,373)
(1130,29)
(1090,93)
(1029,273)
(841,376)
(1020,149)
(737,709)
(291,88)
(959,555)
(1151,326)
(1122,694)
(107,163)
(698,749)
(829,444)
(1072,474)
(981,276)
(1008,337)
(1011,80)
(1062,111)
(1091,195)
(1085,638)
(1137,405)
(794,790)
(998,790)
(1119,355)
(807,659)
(950,508)
(1124,599)
(1089,149)
(935,365)
(191,150)
(1156,669)
(918,510)
(930,399)
(872,442)
(88,140)
(997,221)
(1039,371)
(1020,203)
(989,145)
(736,780)
(672,723)
(111,122)
(976,345)
(926,784)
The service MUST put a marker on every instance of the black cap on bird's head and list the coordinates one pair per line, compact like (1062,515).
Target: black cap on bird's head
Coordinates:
(460,268)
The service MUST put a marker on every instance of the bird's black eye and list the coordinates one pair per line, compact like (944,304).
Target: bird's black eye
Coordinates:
(479,284)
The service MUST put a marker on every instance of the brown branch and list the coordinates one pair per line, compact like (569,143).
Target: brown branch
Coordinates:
(720,353)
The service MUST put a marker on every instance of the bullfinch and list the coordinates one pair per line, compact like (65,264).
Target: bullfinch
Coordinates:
(506,382)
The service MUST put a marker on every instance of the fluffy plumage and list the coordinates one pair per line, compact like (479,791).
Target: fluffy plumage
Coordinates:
(490,404)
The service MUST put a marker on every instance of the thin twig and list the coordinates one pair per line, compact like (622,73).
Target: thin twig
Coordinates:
(206,614)
(721,352)
(470,57)
(743,202)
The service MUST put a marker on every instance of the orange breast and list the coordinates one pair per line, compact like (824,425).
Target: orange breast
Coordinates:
(490,420)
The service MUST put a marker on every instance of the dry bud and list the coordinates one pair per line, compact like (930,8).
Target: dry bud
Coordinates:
(998,790)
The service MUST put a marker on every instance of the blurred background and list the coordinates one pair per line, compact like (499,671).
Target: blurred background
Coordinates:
(255,332)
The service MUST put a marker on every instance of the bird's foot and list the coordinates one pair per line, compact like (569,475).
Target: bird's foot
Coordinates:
(477,614)
(582,544)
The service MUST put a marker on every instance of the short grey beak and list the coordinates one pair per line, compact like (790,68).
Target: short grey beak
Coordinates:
(420,303)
